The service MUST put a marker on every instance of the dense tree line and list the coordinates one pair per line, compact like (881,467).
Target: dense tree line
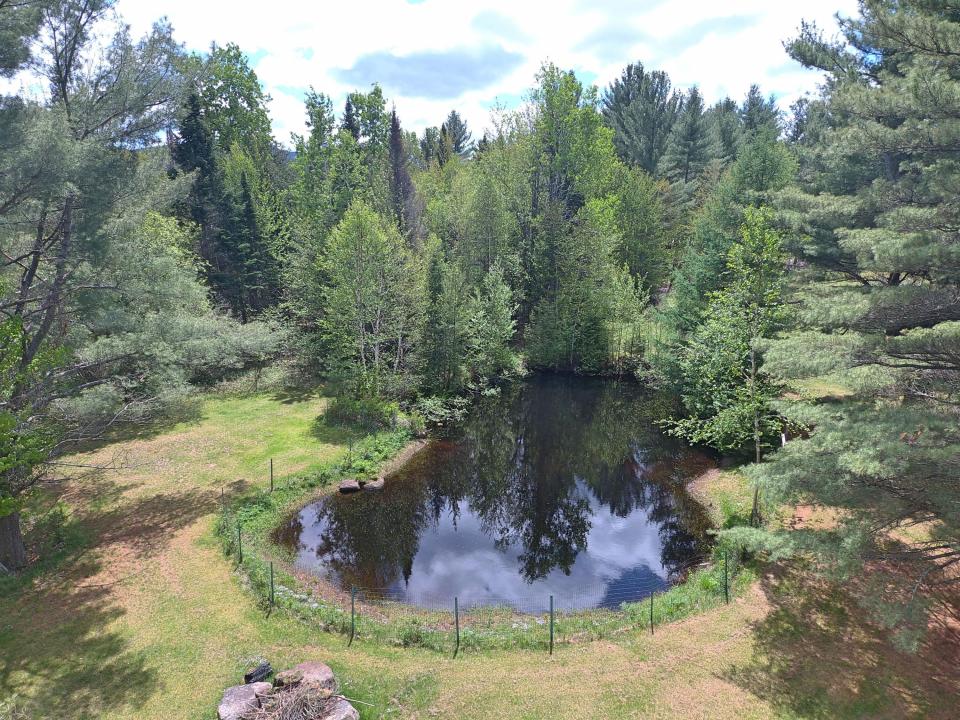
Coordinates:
(725,250)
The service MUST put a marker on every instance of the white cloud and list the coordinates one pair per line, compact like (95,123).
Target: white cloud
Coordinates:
(722,47)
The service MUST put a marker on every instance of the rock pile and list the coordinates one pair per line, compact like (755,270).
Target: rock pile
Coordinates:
(305,691)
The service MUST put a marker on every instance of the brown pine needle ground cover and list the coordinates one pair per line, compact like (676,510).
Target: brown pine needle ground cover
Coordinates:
(150,620)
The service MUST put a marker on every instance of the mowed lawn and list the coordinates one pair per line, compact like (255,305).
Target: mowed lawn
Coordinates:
(151,621)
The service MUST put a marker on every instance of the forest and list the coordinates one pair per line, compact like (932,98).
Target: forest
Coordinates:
(158,239)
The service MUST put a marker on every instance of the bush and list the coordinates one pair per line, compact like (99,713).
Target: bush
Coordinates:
(441,413)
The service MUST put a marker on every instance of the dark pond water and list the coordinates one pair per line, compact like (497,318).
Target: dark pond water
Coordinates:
(559,486)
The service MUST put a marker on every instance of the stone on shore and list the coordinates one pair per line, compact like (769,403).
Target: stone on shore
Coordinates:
(349,486)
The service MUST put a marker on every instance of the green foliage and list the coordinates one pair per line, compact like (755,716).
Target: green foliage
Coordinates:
(878,312)
(727,397)
(762,168)
(233,103)
(442,413)
(490,328)
(371,301)
(642,108)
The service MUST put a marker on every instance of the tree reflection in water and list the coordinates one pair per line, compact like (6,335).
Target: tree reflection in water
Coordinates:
(560,485)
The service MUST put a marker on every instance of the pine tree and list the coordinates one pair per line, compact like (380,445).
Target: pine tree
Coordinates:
(726,129)
(193,151)
(444,146)
(641,108)
(875,224)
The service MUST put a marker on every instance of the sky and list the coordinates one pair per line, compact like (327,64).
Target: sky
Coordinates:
(431,56)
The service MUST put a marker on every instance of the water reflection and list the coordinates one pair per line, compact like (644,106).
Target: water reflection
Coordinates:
(562,485)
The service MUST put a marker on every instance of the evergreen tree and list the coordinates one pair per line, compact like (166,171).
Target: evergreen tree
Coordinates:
(350,122)
(726,129)
(444,146)
(764,167)
(460,135)
(491,327)
(430,145)
(193,152)
(445,326)
(727,398)
(103,317)
(689,149)
(875,221)
(403,194)
(641,108)
(759,115)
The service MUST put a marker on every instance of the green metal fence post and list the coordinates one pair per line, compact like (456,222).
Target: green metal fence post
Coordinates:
(726,585)
(651,612)
(551,624)
(271,474)
(239,543)
(353,614)
(456,620)
(272,595)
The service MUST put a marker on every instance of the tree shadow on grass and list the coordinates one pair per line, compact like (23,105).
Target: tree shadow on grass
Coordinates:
(296,394)
(59,646)
(330,432)
(817,656)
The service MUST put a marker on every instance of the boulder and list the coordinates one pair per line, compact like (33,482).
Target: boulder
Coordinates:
(339,709)
(374,484)
(307,673)
(239,700)
(349,486)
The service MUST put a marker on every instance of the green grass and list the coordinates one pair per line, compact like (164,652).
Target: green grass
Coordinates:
(150,620)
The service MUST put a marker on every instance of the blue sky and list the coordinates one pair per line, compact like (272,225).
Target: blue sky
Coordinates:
(434,55)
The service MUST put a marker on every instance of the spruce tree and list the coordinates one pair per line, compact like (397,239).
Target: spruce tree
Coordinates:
(759,115)
(689,149)
(402,192)
(460,135)
(350,123)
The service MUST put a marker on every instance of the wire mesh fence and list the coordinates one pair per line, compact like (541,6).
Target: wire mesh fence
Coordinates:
(456,620)
(448,623)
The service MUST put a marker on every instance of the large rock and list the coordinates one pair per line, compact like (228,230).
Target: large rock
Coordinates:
(349,486)
(307,673)
(241,699)
(374,484)
(339,709)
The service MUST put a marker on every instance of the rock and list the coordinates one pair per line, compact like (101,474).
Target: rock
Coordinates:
(340,709)
(374,484)
(241,699)
(349,486)
(259,673)
(307,673)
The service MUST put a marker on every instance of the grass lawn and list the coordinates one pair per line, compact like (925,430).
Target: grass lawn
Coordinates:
(150,621)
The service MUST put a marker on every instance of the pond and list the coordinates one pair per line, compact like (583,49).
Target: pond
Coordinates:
(559,486)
